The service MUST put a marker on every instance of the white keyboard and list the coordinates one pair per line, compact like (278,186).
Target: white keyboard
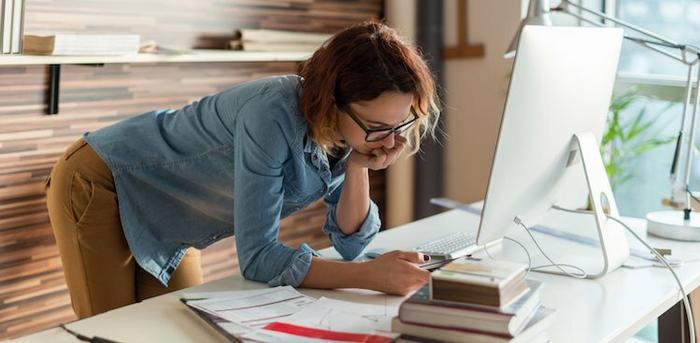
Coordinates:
(451,246)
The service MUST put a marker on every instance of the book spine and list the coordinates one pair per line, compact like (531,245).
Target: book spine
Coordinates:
(20,42)
(11,26)
(66,44)
(17,11)
(2,22)
(7,26)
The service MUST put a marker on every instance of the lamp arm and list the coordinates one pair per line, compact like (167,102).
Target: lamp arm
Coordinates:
(691,143)
(642,42)
(647,43)
(565,3)
(680,177)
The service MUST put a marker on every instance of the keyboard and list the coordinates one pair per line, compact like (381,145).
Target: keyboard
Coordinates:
(451,246)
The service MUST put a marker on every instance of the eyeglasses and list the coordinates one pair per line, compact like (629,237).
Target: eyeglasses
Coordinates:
(375,135)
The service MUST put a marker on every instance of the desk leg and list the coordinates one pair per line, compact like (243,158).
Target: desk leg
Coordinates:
(673,326)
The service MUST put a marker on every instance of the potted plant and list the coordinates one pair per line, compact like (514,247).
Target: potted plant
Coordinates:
(628,136)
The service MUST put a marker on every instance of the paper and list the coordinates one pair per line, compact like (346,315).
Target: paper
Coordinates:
(255,309)
(225,294)
(329,320)
(282,314)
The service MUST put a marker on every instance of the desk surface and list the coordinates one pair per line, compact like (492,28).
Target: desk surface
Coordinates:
(611,308)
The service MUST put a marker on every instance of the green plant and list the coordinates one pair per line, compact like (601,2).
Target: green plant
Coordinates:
(625,139)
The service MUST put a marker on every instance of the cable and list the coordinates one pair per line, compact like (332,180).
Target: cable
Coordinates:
(572,211)
(691,195)
(686,303)
(77,335)
(529,259)
(95,339)
(581,273)
(486,250)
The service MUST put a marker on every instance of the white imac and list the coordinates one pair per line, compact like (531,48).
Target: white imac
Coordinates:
(547,153)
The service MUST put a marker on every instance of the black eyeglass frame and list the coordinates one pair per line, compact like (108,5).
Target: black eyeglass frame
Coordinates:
(394,130)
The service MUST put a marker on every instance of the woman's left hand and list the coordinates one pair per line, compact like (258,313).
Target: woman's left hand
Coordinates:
(381,157)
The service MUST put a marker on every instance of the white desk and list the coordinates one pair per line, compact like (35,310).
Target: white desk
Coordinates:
(608,309)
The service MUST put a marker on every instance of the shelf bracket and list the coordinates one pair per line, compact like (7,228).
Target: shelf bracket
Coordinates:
(54,89)
(54,77)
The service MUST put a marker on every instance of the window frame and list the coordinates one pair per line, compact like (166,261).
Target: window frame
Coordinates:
(662,86)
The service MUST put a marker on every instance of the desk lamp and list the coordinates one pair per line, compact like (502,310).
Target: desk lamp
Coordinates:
(681,223)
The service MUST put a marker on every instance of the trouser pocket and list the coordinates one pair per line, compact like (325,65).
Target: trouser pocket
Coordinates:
(91,203)
(82,194)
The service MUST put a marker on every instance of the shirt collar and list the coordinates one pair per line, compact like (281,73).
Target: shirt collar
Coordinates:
(319,158)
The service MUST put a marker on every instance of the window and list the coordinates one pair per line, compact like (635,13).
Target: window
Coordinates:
(677,20)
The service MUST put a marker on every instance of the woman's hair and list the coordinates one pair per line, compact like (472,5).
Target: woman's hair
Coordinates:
(359,64)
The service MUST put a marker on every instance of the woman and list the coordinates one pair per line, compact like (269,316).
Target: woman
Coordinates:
(127,202)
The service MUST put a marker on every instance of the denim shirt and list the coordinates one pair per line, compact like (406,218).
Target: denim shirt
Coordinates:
(235,162)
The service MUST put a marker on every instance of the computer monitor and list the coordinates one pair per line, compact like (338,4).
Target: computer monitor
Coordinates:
(547,152)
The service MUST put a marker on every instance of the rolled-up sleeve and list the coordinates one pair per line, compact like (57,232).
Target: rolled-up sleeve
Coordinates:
(350,246)
(260,151)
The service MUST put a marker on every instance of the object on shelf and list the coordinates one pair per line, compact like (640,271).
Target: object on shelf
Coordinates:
(81,44)
(276,40)
(151,47)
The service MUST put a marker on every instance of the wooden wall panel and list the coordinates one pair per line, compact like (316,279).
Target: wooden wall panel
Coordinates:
(33,294)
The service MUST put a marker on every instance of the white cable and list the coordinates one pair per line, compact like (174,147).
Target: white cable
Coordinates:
(486,250)
(581,273)
(686,303)
(529,259)
(541,267)
(572,211)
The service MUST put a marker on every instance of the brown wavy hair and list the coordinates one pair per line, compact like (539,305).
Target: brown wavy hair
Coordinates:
(358,64)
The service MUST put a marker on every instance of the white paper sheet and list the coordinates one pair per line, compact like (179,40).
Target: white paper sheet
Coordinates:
(227,294)
(255,309)
(333,315)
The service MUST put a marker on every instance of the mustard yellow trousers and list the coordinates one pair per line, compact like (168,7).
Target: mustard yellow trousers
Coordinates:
(100,271)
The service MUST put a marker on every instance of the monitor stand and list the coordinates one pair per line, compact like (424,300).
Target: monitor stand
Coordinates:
(613,242)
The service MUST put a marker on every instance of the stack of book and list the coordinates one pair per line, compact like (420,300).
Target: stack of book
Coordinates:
(11,26)
(277,40)
(475,301)
(81,44)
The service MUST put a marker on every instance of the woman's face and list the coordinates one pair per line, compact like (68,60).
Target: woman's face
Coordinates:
(388,110)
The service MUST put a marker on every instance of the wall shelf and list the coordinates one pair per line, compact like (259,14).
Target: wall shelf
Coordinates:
(201,55)
(192,56)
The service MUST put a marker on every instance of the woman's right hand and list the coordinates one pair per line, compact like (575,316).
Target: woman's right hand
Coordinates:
(397,272)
